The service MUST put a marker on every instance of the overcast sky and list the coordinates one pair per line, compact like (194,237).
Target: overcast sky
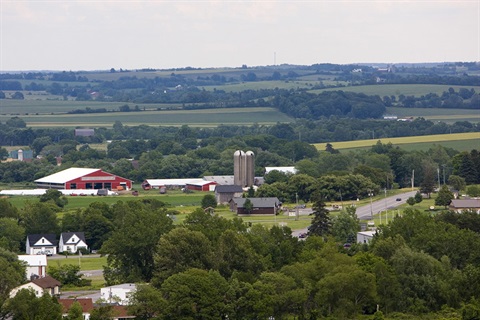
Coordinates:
(104,34)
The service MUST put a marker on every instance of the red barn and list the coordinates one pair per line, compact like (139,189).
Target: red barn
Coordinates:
(201,185)
(83,178)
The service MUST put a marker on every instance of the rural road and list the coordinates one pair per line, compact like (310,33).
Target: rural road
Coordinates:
(365,212)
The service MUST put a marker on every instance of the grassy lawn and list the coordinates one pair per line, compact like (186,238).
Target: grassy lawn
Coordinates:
(86,262)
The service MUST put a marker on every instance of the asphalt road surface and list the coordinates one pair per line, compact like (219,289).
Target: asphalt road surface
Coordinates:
(365,212)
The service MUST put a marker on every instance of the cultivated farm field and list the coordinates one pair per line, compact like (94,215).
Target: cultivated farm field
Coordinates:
(437,114)
(195,118)
(416,90)
(458,141)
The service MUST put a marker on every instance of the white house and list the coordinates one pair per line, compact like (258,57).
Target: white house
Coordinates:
(119,293)
(365,236)
(72,242)
(36,265)
(29,286)
(41,244)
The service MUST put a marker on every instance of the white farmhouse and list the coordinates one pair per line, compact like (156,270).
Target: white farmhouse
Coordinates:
(71,242)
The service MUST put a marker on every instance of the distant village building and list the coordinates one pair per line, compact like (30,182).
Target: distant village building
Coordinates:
(21,155)
(84,132)
(365,236)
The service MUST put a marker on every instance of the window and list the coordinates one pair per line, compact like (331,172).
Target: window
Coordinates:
(88,185)
(73,186)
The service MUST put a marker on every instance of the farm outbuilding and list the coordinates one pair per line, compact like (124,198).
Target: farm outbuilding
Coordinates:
(201,185)
(84,178)
(260,206)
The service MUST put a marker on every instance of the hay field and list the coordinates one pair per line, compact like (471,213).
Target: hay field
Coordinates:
(471,139)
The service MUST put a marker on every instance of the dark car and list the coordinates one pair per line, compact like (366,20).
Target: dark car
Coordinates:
(302,235)
(399,199)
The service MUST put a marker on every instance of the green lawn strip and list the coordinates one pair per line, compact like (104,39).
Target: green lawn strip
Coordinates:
(85,262)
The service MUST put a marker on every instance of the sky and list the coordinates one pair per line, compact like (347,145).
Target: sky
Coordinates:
(102,34)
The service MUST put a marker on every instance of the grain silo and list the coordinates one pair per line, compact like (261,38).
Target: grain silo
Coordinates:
(238,167)
(249,168)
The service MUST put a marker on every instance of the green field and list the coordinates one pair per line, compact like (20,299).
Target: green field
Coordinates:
(198,118)
(398,89)
(437,114)
(465,141)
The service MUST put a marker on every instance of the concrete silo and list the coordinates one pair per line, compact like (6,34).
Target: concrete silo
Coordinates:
(238,167)
(249,168)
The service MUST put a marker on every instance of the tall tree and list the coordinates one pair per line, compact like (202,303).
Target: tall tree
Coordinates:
(179,250)
(40,217)
(132,244)
(346,225)
(321,222)
(427,185)
(195,294)
(444,197)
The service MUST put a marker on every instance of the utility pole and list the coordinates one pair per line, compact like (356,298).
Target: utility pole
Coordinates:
(370,193)
(386,212)
(296,208)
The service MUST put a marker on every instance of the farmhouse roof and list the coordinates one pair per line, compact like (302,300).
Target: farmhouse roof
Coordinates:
(67,235)
(67,175)
(220,179)
(258,202)
(33,238)
(201,183)
(47,282)
(171,182)
(465,203)
(34,260)
(85,303)
(231,188)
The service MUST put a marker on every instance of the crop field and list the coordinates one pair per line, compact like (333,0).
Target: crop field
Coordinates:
(468,141)
(398,89)
(237,87)
(437,114)
(198,118)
